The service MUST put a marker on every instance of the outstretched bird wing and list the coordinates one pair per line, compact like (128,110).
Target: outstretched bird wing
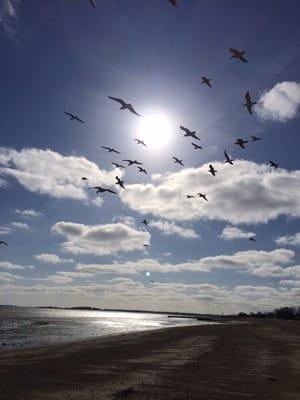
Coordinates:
(69,114)
(131,109)
(186,130)
(111,191)
(106,148)
(4,243)
(93,2)
(121,101)
(79,120)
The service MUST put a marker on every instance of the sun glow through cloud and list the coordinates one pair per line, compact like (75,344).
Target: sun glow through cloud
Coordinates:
(155,130)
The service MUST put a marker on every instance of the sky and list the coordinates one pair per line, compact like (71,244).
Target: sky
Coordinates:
(68,246)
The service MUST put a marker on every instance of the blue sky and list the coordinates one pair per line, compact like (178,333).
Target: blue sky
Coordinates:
(68,246)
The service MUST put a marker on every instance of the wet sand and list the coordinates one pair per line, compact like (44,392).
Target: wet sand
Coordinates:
(255,359)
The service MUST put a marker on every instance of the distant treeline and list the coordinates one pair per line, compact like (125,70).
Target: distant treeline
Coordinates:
(278,313)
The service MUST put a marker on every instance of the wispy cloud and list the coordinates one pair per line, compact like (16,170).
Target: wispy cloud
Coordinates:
(281,103)
(9,16)
(170,228)
(52,259)
(232,232)
(10,266)
(28,213)
(293,240)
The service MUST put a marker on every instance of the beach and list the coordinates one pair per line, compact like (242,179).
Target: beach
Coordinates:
(250,359)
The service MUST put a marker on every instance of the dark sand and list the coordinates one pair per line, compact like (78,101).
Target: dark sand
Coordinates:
(259,360)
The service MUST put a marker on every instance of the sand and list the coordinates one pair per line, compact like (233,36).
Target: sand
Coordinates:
(255,359)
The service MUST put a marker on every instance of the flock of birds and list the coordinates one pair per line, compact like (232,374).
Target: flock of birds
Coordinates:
(249,103)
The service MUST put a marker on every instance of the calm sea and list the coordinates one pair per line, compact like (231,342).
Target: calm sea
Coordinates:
(30,327)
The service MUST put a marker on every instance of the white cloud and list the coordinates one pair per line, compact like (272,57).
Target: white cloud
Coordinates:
(63,277)
(170,228)
(28,213)
(9,16)
(52,259)
(246,193)
(100,239)
(280,103)
(277,271)
(51,173)
(10,266)
(8,277)
(293,240)
(5,230)
(20,225)
(232,232)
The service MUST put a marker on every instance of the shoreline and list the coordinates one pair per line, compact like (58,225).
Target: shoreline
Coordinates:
(216,361)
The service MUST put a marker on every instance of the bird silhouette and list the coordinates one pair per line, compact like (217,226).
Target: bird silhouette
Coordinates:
(197,146)
(120,182)
(145,222)
(241,143)
(117,165)
(146,245)
(203,195)
(206,81)
(100,189)
(132,162)
(252,239)
(74,117)
(212,170)
(84,178)
(238,54)
(249,103)
(227,158)
(93,2)
(189,196)
(177,161)
(273,164)
(189,133)
(173,2)
(138,141)
(255,138)
(124,105)
(142,170)
(110,149)
(1,242)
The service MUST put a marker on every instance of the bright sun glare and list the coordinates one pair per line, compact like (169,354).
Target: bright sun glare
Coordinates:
(155,130)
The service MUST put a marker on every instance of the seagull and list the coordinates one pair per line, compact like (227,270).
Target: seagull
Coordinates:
(145,222)
(174,2)
(151,281)
(120,182)
(228,159)
(241,143)
(100,189)
(142,170)
(84,178)
(212,170)
(124,105)
(206,81)
(176,160)
(189,133)
(138,141)
(93,2)
(249,103)
(146,245)
(190,196)
(196,146)
(238,54)
(131,162)
(110,149)
(72,116)
(255,138)
(273,164)
(117,165)
(4,243)
(252,239)
(203,195)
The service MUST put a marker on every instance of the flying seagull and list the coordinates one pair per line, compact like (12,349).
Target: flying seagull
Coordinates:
(249,103)
(252,239)
(93,3)
(238,54)
(241,143)
(189,133)
(273,164)
(124,105)
(110,149)
(145,222)
(117,165)
(142,170)
(176,160)
(203,195)
(146,245)
(197,146)
(138,141)
(227,158)
(255,138)
(72,116)
(120,182)
(174,2)
(100,189)
(212,170)
(131,162)
(4,243)
(206,81)
(189,196)
(84,178)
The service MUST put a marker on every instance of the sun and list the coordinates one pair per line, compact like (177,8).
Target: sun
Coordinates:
(154,130)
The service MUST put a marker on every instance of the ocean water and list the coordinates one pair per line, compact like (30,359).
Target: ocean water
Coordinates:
(22,327)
